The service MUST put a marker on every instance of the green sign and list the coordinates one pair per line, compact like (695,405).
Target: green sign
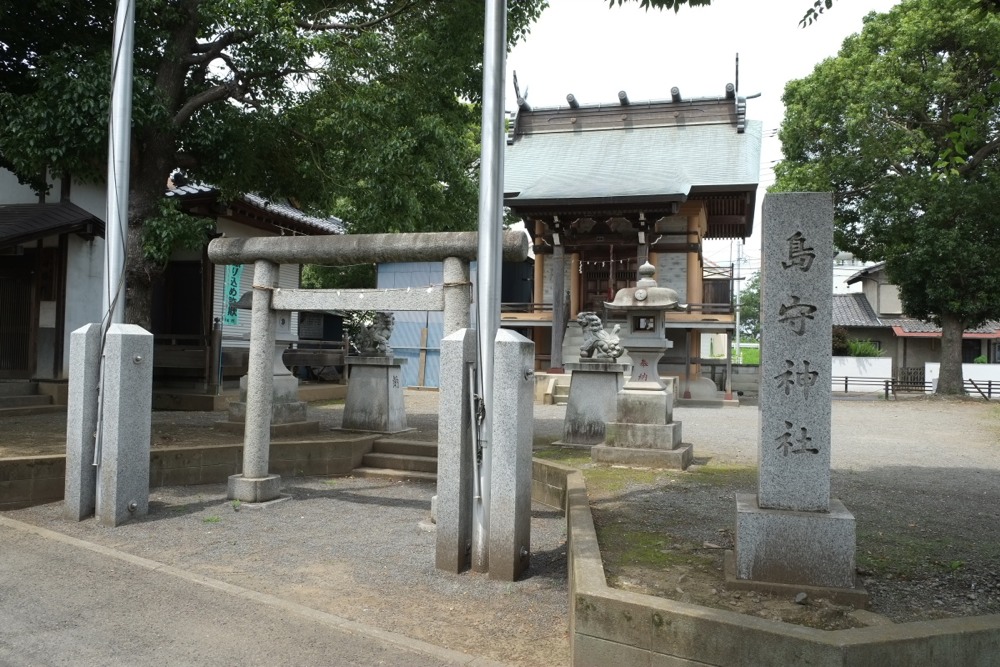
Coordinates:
(231,314)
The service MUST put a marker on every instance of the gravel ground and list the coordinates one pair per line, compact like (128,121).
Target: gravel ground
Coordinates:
(921,476)
(361,549)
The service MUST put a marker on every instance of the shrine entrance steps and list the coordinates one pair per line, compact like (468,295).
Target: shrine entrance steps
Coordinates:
(19,398)
(397,458)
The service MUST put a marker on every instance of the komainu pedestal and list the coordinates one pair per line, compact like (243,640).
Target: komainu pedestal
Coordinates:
(375,395)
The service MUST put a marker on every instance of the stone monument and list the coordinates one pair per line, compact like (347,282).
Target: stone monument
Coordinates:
(644,431)
(594,384)
(791,532)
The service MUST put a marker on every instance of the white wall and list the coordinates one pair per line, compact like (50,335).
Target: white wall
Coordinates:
(981,374)
(871,369)
(84,287)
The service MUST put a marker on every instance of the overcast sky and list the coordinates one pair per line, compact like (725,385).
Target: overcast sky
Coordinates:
(585,48)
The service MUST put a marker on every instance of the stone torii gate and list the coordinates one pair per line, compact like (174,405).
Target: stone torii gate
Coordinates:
(455,250)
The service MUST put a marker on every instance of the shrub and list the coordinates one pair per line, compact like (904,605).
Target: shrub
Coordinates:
(863,348)
(981,359)
(840,342)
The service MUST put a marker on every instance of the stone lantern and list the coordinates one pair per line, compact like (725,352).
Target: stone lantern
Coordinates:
(644,432)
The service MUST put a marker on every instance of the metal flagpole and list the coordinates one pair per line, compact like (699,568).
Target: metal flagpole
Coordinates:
(118,165)
(116,216)
(488,273)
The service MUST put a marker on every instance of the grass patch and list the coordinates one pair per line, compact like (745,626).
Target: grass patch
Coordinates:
(724,475)
(570,456)
(609,479)
(624,547)
(211,519)
(905,556)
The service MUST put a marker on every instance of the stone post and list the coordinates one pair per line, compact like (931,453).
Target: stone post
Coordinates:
(457,293)
(513,432)
(255,485)
(792,532)
(456,467)
(123,475)
(81,421)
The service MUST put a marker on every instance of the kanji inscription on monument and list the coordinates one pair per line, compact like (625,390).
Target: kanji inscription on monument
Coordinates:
(795,356)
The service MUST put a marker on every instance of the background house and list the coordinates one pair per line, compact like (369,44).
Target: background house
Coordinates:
(51,282)
(876,314)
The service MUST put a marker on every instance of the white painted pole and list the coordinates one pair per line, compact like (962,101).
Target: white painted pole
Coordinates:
(490,246)
(116,224)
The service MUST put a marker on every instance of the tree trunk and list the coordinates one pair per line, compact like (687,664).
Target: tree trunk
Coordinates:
(153,153)
(951,381)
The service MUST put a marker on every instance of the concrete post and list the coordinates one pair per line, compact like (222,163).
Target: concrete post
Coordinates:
(81,422)
(255,485)
(513,432)
(456,467)
(457,292)
(123,475)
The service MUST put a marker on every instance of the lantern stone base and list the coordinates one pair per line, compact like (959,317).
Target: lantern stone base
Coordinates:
(674,459)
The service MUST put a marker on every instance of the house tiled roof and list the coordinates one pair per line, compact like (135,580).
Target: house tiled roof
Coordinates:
(853,310)
(331,225)
(278,212)
(909,325)
(20,223)
(868,270)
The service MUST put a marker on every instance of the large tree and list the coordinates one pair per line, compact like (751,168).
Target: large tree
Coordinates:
(904,126)
(356,104)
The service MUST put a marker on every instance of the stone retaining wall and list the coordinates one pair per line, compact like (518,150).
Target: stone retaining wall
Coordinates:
(36,480)
(608,626)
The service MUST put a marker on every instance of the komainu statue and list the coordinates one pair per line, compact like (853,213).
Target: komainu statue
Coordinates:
(596,341)
(370,335)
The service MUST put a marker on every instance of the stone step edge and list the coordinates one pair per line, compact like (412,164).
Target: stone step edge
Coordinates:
(400,475)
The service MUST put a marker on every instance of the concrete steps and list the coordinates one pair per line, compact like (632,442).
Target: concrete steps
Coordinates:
(21,398)
(398,458)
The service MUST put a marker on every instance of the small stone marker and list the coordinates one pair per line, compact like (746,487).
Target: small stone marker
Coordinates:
(792,532)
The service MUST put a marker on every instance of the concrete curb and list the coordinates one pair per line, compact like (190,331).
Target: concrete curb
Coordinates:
(342,624)
(611,626)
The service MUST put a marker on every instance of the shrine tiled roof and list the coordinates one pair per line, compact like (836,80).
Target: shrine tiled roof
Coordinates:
(657,150)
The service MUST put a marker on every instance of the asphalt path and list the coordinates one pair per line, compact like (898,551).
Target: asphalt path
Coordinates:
(68,602)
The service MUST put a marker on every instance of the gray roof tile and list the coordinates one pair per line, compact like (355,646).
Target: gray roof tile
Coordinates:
(853,310)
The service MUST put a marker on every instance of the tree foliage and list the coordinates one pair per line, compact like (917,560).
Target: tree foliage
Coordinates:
(363,107)
(904,126)
(750,307)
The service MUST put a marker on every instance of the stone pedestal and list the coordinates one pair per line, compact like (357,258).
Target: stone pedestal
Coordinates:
(375,395)
(815,549)
(593,401)
(644,432)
